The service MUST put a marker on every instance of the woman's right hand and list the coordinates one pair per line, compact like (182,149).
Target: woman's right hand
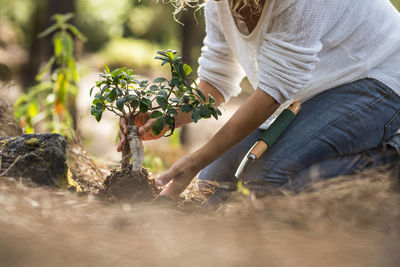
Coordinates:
(145,124)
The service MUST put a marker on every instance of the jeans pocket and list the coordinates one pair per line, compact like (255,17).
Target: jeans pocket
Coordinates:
(391,127)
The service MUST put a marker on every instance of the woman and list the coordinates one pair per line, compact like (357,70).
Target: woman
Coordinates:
(339,58)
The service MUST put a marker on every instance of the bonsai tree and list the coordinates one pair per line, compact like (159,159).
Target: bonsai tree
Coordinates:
(120,92)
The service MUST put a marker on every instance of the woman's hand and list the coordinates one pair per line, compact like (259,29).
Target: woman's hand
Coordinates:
(179,176)
(145,123)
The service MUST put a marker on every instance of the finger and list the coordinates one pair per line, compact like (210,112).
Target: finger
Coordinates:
(122,125)
(173,189)
(146,128)
(170,191)
(164,178)
(121,142)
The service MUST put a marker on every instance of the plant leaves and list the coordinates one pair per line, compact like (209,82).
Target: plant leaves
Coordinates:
(98,114)
(147,102)
(156,114)
(196,114)
(172,111)
(159,80)
(120,104)
(91,90)
(187,69)
(162,102)
(158,126)
(107,69)
(205,112)
(169,120)
(186,108)
(105,87)
(175,81)
(163,93)
(200,93)
(134,104)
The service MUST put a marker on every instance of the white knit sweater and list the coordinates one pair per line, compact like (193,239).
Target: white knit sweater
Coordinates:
(300,48)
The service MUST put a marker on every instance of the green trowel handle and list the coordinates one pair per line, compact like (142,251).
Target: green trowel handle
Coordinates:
(269,137)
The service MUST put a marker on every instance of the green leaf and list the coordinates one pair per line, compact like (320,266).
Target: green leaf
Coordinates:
(162,102)
(200,93)
(176,100)
(156,114)
(130,98)
(134,104)
(169,120)
(99,106)
(120,104)
(186,99)
(77,33)
(154,88)
(159,80)
(172,111)
(104,88)
(170,55)
(196,114)
(205,112)
(48,31)
(145,105)
(144,83)
(163,93)
(147,102)
(113,95)
(158,126)
(186,108)
(211,99)
(161,58)
(93,110)
(98,114)
(163,53)
(107,69)
(187,69)
(91,90)
(174,82)
(214,112)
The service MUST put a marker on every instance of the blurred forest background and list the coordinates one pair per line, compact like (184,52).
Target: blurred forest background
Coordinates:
(119,33)
(123,33)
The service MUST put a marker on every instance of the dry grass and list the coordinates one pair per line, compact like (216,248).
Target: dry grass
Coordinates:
(349,221)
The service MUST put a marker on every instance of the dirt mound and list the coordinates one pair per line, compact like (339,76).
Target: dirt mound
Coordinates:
(127,185)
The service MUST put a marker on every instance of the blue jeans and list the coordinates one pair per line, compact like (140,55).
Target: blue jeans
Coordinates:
(340,131)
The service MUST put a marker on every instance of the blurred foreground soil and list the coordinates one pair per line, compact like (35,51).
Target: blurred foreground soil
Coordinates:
(348,221)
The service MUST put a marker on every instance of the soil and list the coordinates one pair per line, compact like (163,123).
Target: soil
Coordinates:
(127,185)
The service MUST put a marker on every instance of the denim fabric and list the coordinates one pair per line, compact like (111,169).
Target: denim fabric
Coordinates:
(340,131)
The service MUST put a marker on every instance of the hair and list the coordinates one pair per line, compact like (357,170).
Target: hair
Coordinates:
(236,5)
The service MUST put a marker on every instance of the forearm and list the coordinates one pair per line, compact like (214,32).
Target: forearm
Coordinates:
(251,114)
(207,89)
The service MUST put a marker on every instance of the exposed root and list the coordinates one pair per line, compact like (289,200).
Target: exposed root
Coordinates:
(127,185)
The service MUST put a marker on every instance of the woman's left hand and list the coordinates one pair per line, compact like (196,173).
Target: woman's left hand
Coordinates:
(178,177)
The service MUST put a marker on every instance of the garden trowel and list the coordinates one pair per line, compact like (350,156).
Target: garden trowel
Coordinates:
(269,137)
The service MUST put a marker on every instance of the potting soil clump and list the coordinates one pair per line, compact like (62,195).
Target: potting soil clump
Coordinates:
(129,185)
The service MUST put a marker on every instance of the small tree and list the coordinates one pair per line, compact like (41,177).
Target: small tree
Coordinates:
(121,93)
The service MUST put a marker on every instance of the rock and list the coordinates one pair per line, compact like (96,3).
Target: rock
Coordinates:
(38,157)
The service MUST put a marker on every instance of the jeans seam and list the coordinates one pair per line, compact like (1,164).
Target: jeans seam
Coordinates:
(327,125)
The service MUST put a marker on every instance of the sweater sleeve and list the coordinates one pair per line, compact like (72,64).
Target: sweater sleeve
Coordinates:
(289,52)
(217,65)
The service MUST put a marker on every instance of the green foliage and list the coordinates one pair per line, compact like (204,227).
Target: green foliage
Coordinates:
(121,93)
(57,81)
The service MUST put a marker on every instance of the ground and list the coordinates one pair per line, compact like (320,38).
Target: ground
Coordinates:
(351,221)
(347,221)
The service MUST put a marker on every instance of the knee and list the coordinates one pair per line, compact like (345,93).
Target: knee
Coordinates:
(270,175)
